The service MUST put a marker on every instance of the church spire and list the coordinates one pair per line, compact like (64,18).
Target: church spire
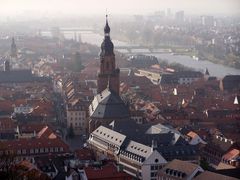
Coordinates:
(13,48)
(107,45)
(106,28)
(207,72)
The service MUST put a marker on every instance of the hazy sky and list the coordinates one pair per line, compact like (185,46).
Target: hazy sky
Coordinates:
(90,7)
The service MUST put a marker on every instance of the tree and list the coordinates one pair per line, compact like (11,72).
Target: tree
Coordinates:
(7,161)
(204,164)
(163,64)
(132,35)
(77,62)
(147,35)
(71,133)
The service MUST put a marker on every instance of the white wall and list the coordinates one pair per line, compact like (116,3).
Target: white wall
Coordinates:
(187,80)
(23,109)
(155,159)
(78,119)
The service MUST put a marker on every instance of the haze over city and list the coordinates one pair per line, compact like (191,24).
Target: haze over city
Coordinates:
(119,89)
(92,7)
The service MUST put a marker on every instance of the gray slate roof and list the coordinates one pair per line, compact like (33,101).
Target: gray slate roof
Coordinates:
(19,76)
(140,133)
(108,105)
(184,168)
(170,143)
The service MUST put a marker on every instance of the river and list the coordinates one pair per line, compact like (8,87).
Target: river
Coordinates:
(214,69)
(217,70)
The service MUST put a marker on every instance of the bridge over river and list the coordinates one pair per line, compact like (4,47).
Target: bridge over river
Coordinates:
(130,49)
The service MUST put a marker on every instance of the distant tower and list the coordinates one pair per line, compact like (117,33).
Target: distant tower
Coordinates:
(13,53)
(75,36)
(79,38)
(108,71)
(206,74)
(6,66)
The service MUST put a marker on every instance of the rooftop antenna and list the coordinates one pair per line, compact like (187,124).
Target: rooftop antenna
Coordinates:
(106,13)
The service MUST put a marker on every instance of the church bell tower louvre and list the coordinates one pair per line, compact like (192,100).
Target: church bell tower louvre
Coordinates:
(108,74)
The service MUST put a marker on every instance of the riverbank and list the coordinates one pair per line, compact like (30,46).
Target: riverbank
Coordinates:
(230,60)
(215,69)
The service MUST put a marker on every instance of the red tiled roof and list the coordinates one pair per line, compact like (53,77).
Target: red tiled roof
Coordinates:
(27,165)
(32,143)
(84,154)
(47,133)
(231,154)
(6,106)
(6,124)
(108,171)
(214,176)
(192,134)
(45,109)
(27,170)
(91,69)
(18,102)
(31,127)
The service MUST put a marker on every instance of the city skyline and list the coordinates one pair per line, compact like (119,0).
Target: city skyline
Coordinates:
(93,7)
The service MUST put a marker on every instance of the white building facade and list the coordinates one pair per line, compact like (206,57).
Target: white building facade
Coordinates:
(138,160)
(77,117)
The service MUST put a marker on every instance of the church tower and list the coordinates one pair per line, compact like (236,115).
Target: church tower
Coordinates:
(109,74)
(107,105)
(6,65)
(13,53)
